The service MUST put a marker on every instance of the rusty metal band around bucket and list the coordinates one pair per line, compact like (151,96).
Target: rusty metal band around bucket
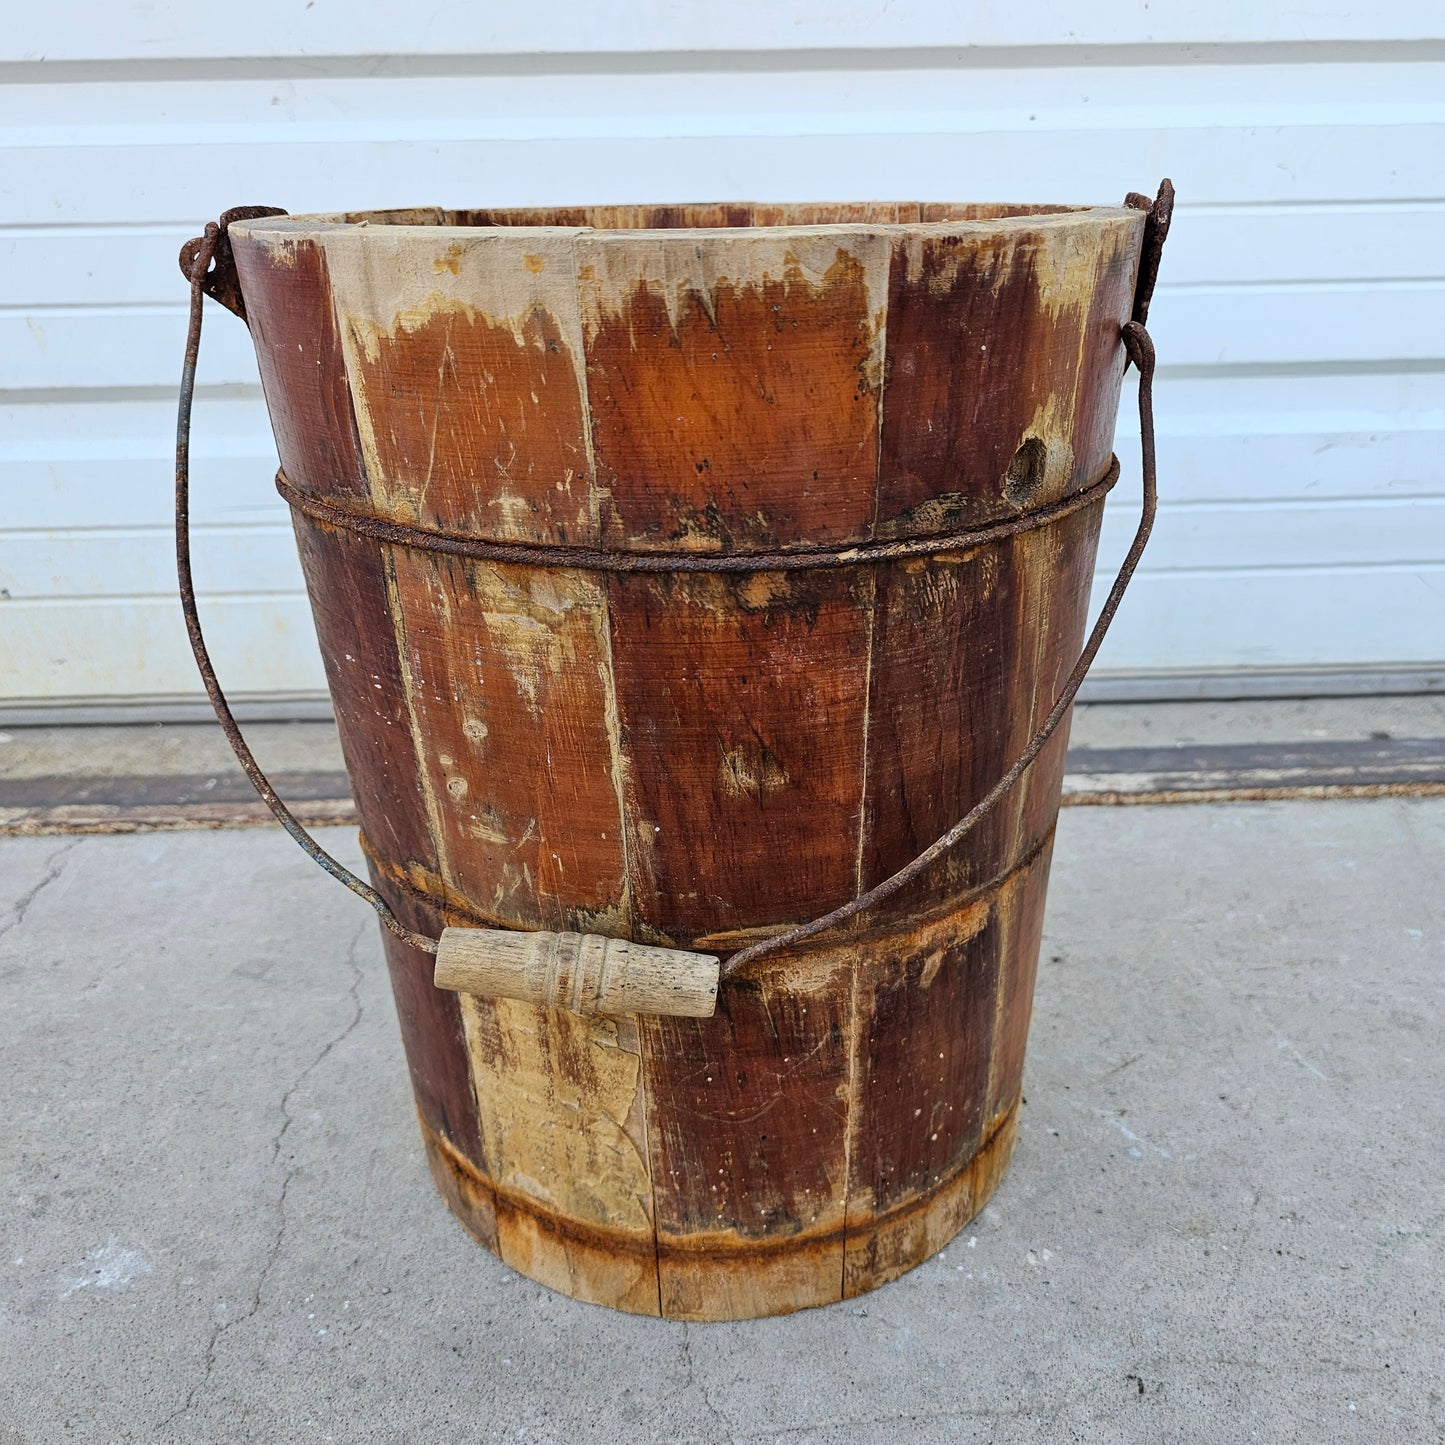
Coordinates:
(595,559)
(198,258)
(400,883)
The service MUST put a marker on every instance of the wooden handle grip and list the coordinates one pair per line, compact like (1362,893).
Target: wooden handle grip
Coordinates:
(577,971)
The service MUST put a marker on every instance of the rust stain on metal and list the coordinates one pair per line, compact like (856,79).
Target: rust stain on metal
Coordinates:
(1156,231)
(751,564)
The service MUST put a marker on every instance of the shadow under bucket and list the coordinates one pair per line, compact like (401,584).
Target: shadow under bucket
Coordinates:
(682,574)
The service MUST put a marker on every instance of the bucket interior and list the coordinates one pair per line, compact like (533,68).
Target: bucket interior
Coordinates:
(713,214)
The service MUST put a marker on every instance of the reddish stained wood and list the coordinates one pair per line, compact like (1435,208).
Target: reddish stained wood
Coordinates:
(939,725)
(288,305)
(605,1267)
(989,335)
(937,1073)
(401,216)
(925,1010)
(1101,363)
(521,216)
(733,413)
(931,212)
(477,423)
(859,213)
(466,1191)
(625,218)
(345,577)
(709,214)
(510,690)
(880,1249)
(741,704)
(1059,560)
(666,218)
(1021,909)
(431,1026)
(956,694)
(747,1114)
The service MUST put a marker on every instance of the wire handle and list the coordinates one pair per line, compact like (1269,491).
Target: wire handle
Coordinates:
(200,255)
(197,260)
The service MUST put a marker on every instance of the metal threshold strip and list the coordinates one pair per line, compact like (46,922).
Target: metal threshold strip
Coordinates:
(1245,772)
(1232,772)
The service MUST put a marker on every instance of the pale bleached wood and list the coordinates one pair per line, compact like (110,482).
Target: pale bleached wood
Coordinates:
(581,972)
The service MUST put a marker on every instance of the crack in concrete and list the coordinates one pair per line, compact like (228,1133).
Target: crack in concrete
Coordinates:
(694,1383)
(1043,1413)
(1241,1247)
(54,867)
(273,1252)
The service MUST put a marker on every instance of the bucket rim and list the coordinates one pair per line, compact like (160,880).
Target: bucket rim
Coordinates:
(435,221)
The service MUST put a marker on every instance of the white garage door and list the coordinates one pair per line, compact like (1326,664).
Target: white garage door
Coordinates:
(1300,319)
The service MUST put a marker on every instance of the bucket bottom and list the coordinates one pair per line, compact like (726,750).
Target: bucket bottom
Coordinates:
(839,1119)
(720,1276)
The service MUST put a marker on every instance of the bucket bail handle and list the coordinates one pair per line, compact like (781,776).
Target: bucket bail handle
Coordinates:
(197,259)
(218,276)
(587,973)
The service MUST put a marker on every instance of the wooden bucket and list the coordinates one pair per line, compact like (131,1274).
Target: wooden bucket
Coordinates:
(549,738)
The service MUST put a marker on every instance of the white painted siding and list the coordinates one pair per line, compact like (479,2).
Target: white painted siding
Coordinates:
(1300,319)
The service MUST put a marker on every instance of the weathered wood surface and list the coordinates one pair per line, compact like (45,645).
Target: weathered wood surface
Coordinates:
(691,760)
(745,705)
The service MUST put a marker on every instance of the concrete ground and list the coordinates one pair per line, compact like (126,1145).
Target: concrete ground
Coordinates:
(1224,1220)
